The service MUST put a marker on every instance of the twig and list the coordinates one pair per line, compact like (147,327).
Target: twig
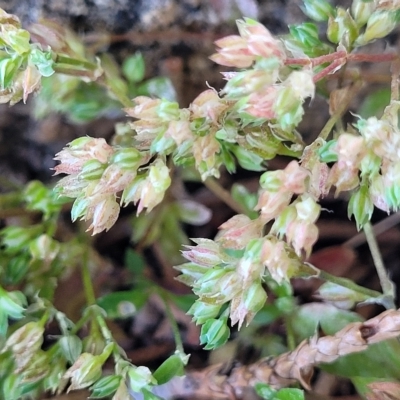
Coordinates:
(386,284)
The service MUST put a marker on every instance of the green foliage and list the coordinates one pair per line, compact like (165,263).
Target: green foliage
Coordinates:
(243,275)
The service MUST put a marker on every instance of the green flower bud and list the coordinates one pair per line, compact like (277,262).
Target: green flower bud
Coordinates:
(271,180)
(15,238)
(139,378)
(254,298)
(71,347)
(248,159)
(379,25)
(79,208)
(11,306)
(44,248)
(87,369)
(370,164)
(26,340)
(159,176)
(92,170)
(319,10)
(306,34)
(362,10)
(327,152)
(202,312)
(127,158)
(342,29)
(361,206)
(17,39)
(105,386)
(214,333)
(332,32)
(168,110)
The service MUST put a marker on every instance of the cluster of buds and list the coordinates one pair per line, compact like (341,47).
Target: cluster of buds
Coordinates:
(368,164)
(22,64)
(188,134)
(97,173)
(259,90)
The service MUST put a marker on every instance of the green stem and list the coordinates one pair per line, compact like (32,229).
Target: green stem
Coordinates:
(172,321)
(386,284)
(87,279)
(61,59)
(290,337)
(347,283)
(224,195)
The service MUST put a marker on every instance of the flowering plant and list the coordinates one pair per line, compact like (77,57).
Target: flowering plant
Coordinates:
(256,252)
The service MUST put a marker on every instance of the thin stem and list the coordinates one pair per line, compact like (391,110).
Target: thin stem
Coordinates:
(224,195)
(61,59)
(343,106)
(386,284)
(290,338)
(64,69)
(87,279)
(347,283)
(172,321)
(394,86)
(330,69)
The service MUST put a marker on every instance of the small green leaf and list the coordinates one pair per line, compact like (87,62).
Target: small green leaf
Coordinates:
(265,391)
(134,68)
(147,395)
(122,304)
(105,386)
(160,87)
(290,394)
(172,366)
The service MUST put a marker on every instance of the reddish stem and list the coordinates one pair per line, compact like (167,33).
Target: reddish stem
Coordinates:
(361,57)
(330,69)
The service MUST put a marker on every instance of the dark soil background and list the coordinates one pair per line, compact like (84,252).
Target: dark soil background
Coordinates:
(176,38)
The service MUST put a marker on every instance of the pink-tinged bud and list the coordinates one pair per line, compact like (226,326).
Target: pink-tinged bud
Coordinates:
(377,191)
(343,178)
(260,42)
(145,108)
(238,231)
(30,79)
(295,178)
(206,253)
(277,260)
(301,84)
(261,104)
(307,209)
(208,105)
(350,150)
(79,151)
(114,179)
(84,372)
(233,52)
(302,235)
(272,204)
(104,214)
(179,131)
(25,343)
